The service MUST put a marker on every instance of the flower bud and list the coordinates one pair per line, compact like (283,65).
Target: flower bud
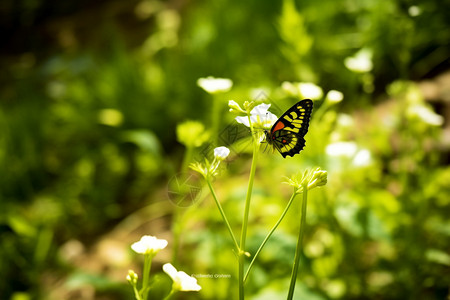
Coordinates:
(221,153)
(234,107)
(132,277)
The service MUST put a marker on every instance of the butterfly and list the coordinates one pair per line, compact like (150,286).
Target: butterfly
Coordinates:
(288,132)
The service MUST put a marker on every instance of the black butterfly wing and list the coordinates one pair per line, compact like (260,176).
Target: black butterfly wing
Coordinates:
(287,134)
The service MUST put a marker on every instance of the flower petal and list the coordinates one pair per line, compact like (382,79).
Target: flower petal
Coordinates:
(170,270)
(243,120)
(310,90)
(260,109)
(362,158)
(214,85)
(221,152)
(268,120)
(181,280)
(361,62)
(347,149)
(335,96)
(149,245)
(188,283)
(426,115)
(259,116)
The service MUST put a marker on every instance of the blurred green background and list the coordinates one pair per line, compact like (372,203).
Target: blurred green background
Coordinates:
(91,93)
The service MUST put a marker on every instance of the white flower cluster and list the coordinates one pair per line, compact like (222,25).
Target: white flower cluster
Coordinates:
(259,117)
(150,245)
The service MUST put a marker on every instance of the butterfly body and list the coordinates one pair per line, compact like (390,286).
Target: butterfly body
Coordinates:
(288,132)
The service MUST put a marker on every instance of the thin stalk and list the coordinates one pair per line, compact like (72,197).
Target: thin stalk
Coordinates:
(176,219)
(246,213)
(146,276)
(298,250)
(172,292)
(241,275)
(187,159)
(136,293)
(270,234)
(215,121)
(176,229)
(219,206)
(322,110)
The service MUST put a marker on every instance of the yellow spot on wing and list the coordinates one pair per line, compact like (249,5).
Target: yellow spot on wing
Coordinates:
(289,146)
(287,118)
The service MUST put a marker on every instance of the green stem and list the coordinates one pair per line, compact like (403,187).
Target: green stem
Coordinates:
(215,119)
(322,110)
(146,276)
(172,292)
(176,219)
(270,234)
(176,229)
(246,213)
(219,206)
(136,293)
(187,159)
(299,243)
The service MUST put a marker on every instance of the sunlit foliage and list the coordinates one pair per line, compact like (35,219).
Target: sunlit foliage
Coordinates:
(96,106)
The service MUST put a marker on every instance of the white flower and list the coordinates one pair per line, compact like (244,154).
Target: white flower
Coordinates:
(347,149)
(149,245)
(361,62)
(334,96)
(302,89)
(259,116)
(221,153)
(181,280)
(214,85)
(362,158)
(210,169)
(426,115)
(310,90)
